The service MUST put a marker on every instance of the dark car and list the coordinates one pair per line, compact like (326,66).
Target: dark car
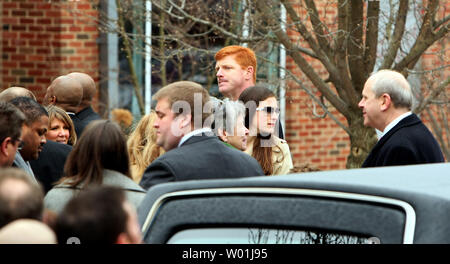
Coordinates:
(404,204)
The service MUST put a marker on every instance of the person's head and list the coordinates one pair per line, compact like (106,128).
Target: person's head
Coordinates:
(100,215)
(262,110)
(386,95)
(12,92)
(142,147)
(11,123)
(35,128)
(20,197)
(60,126)
(102,146)
(88,85)
(176,112)
(65,92)
(235,70)
(229,123)
(27,231)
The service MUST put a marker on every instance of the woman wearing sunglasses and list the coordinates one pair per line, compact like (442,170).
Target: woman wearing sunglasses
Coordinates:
(263,144)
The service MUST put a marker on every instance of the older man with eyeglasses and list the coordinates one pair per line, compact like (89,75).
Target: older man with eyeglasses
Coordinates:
(11,122)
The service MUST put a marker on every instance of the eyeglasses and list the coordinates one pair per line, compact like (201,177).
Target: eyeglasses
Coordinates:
(21,144)
(269,109)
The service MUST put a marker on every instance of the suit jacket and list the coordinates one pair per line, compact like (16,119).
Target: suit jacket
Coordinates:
(49,167)
(83,118)
(200,157)
(409,142)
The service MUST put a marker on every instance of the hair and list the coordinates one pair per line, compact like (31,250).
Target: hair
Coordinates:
(185,91)
(11,121)
(101,146)
(261,153)
(142,147)
(33,110)
(12,92)
(226,113)
(16,204)
(58,113)
(124,118)
(394,84)
(95,216)
(243,56)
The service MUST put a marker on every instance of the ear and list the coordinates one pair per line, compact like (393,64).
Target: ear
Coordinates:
(185,120)
(53,99)
(222,135)
(4,146)
(385,101)
(250,71)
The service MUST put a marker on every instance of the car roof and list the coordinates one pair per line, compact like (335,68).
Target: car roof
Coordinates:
(425,187)
(428,179)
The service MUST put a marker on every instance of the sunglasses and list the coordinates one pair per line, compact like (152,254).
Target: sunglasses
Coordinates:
(269,109)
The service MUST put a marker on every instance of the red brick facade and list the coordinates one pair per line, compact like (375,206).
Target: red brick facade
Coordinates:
(42,39)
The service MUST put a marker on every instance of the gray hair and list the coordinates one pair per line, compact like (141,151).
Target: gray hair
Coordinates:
(395,85)
(226,113)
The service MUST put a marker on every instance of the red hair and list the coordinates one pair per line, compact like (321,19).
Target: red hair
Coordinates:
(243,56)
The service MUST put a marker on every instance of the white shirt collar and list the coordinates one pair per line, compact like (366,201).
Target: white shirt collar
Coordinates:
(193,133)
(393,124)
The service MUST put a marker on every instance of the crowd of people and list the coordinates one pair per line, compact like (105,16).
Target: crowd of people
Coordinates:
(68,175)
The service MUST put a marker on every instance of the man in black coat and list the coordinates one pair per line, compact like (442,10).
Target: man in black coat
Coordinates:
(386,104)
(192,151)
(49,166)
(85,113)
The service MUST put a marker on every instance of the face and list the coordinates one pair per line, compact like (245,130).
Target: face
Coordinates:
(370,106)
(239,137)
(230,76)
(58,131)
(34,138)
(266,116)
(166,125)
(13,146)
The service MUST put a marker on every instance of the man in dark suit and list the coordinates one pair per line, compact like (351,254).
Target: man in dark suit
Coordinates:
(192,150)
(49,166)
(386,104)
(85,113)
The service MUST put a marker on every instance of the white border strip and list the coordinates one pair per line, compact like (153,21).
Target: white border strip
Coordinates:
(410,222)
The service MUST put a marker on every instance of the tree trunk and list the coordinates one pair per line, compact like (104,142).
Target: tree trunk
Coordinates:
(362,141)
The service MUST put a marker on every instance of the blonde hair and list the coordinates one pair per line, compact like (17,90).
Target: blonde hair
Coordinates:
(142,147)
(58,113)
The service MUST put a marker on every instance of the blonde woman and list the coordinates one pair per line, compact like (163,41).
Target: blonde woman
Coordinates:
(60,126)
(142,147)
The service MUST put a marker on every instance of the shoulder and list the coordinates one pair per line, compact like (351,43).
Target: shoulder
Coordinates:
(281,144)
(118,179)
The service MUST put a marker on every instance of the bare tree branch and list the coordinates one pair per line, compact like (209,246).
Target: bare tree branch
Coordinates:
(319,28)
(396,38)
(370,50)
(425,39)
(441,22)
(356,47)
(433,95)
(222,30)
(301,62)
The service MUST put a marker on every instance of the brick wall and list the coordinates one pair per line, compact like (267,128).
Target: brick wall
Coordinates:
(44,39)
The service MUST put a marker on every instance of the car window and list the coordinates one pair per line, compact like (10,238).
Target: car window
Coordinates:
(265,236)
